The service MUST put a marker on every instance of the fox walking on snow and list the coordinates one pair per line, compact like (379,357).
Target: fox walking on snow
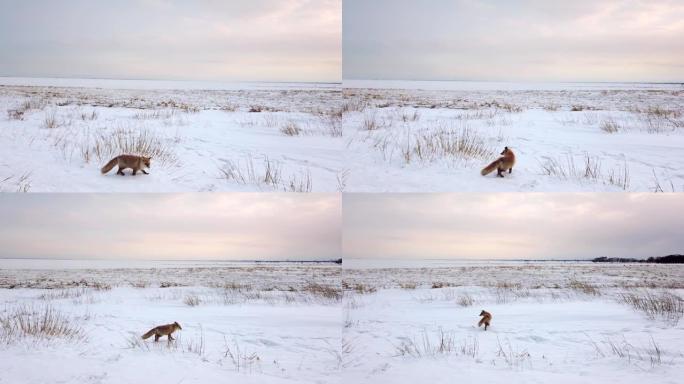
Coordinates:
(502,164)
(136,163)
(486,319)
(163,330)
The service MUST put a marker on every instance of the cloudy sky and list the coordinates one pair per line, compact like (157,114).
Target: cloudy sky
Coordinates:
(511,225)
(526,40)
(235,226)
(267,40)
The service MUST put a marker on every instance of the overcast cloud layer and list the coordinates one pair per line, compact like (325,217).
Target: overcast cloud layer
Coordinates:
(527,40)
(511,225)
(235,226)
(256,40)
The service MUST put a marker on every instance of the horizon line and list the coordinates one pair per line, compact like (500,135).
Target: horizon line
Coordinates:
(681,82)
(169,79)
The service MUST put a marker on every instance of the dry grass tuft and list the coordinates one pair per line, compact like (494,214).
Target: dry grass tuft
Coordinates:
(584,287)
(192,300)
(666,306)
(610,126)
(242,360)
(431,145)
(291,129)
(465,300)
(590,170)
(323,291)
(270,175)
(39,323)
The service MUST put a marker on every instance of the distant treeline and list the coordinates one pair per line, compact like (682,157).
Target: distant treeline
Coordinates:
(669,259)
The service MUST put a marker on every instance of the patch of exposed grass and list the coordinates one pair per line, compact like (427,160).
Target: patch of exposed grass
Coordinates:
(664,305)
(25,322)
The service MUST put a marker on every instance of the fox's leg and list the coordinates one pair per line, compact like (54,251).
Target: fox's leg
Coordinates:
(499,172)
(134,171)
(156,337)
(143,171)
(120,171)
(486,325)
(171,337)
(510,170)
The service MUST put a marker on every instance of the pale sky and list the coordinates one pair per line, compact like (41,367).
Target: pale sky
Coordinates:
(199,226)
(255,40)
(511,225)
(526,40)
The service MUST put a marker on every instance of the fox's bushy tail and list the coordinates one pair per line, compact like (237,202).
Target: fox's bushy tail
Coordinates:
(490,168)
(148,334)
(108,167)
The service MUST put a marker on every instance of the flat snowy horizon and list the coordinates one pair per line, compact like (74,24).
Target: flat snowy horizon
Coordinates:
(361,136)
(56,134)
(551,322)
(432,136)
(247,323)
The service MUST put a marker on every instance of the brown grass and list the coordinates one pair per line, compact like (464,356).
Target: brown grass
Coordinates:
(40,323)
(291,129)
(666,306)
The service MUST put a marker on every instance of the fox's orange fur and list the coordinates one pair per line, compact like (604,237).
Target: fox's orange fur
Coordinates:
(502,164)
(162,330)
(136,163)
(486,319)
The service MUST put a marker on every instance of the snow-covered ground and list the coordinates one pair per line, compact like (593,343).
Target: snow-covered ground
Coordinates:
(56,134)
(564,323)
(372,137)
(437,136)
(250,324)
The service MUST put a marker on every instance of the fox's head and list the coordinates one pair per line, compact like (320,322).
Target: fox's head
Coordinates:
(483,313)
(146,161)
(177,325)
(505,151)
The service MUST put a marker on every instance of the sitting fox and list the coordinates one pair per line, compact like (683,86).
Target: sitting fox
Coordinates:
(136,163)
(486,319)
(162,330)
(502,164)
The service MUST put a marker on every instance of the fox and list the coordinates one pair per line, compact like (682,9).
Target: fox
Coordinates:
(486,319)
(162,330)
(502,164)
(136,163)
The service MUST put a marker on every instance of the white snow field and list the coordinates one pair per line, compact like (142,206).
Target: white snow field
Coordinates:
(56,134)
(404,136)
(241,323)
(551,323)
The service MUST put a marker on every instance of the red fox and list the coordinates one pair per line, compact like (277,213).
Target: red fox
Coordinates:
(502,164)
(162,330)
(136,163)
(486,319)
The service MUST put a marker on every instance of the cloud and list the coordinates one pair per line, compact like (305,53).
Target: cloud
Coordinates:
(511,225)
(175,226)
(271,40)
(530,40)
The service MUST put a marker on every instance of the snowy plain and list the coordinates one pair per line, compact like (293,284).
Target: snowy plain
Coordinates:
(246,322)
(561,322)
(56,134)
(430,136)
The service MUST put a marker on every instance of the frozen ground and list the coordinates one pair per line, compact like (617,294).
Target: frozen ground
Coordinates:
(437,136)
(55,135)
(565,324)
(258,325)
